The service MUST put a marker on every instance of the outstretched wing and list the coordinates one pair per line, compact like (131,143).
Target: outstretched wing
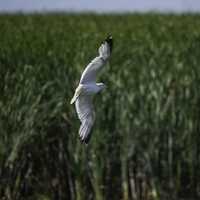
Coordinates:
(86,114)
(89,74)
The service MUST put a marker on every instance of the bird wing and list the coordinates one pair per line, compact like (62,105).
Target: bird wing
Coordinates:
(86,114)
(90,72)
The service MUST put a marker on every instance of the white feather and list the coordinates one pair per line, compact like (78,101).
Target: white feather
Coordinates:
(87,89)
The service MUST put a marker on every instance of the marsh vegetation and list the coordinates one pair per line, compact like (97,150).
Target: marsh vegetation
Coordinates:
(146,139)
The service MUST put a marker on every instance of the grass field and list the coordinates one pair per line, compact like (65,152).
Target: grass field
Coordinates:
(146,139)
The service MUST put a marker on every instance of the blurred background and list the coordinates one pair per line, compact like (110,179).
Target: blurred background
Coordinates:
(100,6)
(145,141)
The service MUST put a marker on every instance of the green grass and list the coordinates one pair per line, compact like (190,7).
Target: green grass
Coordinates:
(145,142)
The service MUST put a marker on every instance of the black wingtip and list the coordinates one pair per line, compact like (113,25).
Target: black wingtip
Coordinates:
(109,37)
(85,140)
(109,40)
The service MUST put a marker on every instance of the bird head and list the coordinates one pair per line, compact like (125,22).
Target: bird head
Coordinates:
(101,86)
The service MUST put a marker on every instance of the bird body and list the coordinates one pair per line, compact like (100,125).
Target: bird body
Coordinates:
(87,88)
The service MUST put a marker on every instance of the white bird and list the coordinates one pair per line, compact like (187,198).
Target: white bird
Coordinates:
(88,87)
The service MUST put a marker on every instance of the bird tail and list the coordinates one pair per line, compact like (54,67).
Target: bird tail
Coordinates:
(73,99)
(76,95)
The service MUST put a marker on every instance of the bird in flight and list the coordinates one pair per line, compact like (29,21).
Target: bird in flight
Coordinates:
(88,87)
